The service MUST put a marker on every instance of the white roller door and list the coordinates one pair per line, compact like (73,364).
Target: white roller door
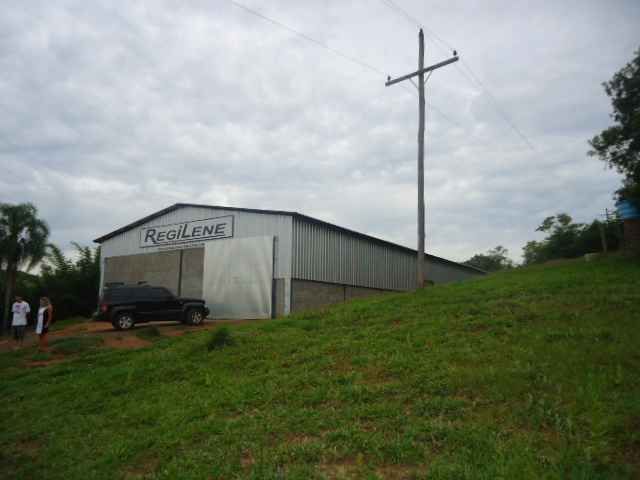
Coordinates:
(238,277)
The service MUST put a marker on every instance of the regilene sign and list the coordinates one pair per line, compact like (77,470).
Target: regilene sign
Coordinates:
(185,232)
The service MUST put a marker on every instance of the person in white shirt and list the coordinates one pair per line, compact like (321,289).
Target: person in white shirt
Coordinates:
(45,317)
(20,310)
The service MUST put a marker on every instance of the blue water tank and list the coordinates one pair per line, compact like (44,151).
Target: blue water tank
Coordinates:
(628,210)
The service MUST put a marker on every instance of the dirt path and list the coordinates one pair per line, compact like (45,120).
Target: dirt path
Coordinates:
(116,338)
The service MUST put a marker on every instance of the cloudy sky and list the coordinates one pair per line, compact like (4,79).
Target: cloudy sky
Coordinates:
(113,110)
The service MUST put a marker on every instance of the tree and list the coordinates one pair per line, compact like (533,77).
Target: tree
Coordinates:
(561,241)
(492,261)
(533,252)
(23,241)
(71,284)
(566,239)
(619,145)
(562,236)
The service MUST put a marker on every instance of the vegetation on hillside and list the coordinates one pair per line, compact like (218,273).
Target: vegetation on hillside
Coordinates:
(23,243)
(619,145)
(492,261)
(567,239)
(530,373)
(564,239)
(72,284)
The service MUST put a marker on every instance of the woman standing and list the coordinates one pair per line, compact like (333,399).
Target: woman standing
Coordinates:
(45,316)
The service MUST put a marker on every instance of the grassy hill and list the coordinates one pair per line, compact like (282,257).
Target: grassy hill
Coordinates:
(528,374)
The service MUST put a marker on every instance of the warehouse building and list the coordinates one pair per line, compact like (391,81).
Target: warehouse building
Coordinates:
(249,263)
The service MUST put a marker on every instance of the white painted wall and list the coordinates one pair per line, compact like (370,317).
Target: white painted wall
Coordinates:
(246,224)
(238,278)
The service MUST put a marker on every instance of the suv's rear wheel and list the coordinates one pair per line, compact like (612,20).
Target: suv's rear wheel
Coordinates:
(123,321)
(194,317)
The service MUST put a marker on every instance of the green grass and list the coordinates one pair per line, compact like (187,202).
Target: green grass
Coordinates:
(41,356)
(75,345)
(532,373)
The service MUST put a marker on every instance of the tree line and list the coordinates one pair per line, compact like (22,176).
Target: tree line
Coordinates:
(564,239)
(619,147)
(71,282)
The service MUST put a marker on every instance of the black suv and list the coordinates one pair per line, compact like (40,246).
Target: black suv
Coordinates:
(124,306)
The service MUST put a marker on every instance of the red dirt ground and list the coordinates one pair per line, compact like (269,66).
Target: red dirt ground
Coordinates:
(112,337)
(125,342)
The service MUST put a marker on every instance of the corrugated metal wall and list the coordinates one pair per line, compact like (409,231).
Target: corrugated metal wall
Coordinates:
(323,254)
(327,255)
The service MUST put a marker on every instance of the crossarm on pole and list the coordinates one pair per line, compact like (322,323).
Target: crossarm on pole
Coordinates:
(423,71)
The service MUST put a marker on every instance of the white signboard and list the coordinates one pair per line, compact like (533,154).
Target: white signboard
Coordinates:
(187,232)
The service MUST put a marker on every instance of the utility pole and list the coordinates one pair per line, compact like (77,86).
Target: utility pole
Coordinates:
(421,114)
(420,73)
(603,236)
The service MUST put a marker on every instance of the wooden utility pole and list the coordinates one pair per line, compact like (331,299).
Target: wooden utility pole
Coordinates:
(420,270)
(421,113)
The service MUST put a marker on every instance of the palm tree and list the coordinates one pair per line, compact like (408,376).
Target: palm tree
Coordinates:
(23,244)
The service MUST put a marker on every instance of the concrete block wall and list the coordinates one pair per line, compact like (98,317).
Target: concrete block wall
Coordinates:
(160,269)
(308,295)
(361,292)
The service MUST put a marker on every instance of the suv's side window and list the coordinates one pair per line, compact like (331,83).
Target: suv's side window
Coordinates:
(160,294)
(140,293)
(117,294)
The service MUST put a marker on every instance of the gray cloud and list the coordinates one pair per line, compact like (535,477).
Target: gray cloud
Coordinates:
(114,110)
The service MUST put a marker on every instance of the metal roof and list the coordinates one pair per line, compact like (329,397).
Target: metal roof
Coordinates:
(297,215)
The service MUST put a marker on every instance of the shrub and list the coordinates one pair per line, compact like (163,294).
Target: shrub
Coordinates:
(149,333)
(219,339)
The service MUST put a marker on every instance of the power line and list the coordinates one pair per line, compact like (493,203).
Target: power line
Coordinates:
(413,19)
(469,74)
(452,121)
(457,124)
(498,108)
(403,12)
(307,37)
(344,56)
